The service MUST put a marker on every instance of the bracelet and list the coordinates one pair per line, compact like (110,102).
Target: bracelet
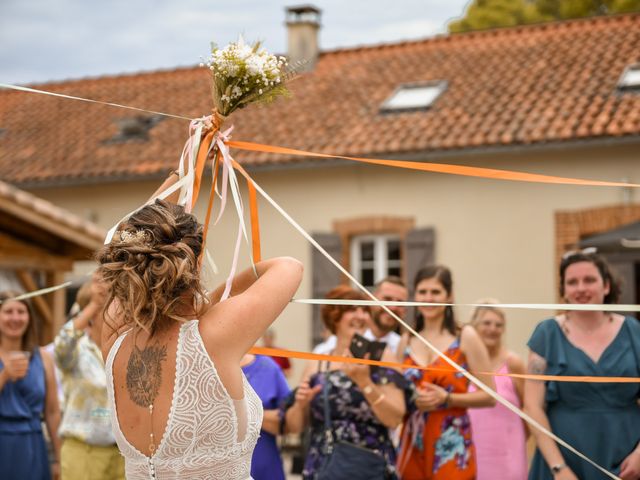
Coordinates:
(368,389)
(445,404)
(174,172)
(378,400)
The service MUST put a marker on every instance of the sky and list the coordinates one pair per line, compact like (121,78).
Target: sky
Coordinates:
(48,40)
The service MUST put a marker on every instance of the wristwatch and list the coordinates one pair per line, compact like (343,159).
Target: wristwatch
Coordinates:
(556,468)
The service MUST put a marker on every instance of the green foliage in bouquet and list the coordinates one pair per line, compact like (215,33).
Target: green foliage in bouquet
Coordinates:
(245,74)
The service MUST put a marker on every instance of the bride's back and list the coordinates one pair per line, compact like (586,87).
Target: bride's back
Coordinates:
(199,431)
(172,379)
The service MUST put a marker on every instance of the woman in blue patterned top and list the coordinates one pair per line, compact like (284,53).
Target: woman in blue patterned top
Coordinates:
(364,403)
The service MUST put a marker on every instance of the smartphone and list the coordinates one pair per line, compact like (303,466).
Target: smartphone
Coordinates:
(359,346)
(376,349)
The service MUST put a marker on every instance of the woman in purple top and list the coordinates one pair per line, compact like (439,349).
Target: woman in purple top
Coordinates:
(267,379)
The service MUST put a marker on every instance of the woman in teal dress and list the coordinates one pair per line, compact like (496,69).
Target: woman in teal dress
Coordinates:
(600,420)
(27,393)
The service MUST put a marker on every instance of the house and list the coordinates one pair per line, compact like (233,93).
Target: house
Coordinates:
(558,99)
(39,243)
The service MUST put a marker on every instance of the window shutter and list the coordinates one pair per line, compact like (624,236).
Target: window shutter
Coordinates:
(325,276)
(419,251)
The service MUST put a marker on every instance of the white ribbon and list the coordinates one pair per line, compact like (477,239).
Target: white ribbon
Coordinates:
(529,306)
(316,245)
(36,293)
(229,176)
(431,347)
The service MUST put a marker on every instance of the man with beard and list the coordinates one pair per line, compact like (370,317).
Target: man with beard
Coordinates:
(383,326)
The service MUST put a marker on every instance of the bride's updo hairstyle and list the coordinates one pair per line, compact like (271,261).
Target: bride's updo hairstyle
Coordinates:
(151,266)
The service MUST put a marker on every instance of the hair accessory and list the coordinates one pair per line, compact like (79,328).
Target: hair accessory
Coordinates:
(584,251)
(139,236)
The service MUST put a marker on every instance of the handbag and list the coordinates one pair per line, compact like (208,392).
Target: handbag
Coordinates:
(344,460)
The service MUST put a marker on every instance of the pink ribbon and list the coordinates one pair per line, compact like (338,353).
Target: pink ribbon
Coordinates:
(227,167)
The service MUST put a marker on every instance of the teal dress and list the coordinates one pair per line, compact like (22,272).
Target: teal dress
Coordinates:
(600,420)
(23,453)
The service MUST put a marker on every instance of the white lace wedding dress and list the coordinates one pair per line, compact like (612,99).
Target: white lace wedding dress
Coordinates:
(208,435)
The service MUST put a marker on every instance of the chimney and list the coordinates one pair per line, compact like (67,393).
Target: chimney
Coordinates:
(303,23)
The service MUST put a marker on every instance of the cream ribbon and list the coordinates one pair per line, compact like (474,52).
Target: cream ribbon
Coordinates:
(428,344)
(464,372)
(527,306)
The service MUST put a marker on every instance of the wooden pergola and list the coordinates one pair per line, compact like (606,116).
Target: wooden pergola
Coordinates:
(40,242)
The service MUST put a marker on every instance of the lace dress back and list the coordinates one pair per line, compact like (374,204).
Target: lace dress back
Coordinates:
(208,435)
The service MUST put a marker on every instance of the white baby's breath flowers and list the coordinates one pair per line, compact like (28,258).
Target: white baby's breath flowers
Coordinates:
(244,74)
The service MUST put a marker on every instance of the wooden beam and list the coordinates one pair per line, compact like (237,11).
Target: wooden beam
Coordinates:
(16,254)
(54,226)
(58,302)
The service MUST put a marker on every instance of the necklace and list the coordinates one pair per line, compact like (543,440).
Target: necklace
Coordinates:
(588,331)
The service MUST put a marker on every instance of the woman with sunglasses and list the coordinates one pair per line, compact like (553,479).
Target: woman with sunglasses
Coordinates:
(601,420)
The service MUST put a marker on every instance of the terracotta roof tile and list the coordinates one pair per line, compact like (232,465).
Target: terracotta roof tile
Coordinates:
(517,86)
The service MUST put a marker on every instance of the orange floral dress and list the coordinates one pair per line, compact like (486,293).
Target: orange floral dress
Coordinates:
(437,445)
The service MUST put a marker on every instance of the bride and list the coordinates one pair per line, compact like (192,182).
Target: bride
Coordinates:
(180,406)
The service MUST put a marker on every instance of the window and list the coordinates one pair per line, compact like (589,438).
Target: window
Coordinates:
(630,79)
(414,96)
(374,257)
(134,128)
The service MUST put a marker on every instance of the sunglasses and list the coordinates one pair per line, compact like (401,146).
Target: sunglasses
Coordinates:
(584,251)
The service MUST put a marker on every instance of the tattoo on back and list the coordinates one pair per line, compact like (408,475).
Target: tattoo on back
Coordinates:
(144,374)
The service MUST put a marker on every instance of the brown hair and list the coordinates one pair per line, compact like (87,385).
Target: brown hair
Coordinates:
(151,263)
(30,336)
(331,314)
(600,264)
(395,280)
(443,275)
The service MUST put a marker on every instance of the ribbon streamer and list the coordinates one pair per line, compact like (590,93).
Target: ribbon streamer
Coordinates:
(70,97)
(36,293)
(278,352)
(599,307)
(428,344)
(441,168)
(478,172)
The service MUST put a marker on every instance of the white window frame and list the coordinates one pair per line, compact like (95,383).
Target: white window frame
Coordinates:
(414,96)
(630,78)
(381,262)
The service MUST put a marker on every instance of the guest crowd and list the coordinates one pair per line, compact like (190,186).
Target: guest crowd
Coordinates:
(424,421)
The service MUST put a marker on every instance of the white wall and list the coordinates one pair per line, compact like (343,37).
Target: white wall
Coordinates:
(497,237)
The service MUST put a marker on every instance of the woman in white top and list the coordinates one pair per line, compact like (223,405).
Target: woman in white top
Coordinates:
(181,408)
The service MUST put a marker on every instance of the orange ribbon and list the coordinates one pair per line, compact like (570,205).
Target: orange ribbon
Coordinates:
(479,172)
(278,352)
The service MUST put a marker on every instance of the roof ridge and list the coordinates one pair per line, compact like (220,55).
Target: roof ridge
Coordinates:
(113,76)
(489,32)
(445,37)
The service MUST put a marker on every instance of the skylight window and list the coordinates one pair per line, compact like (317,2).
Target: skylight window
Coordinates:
(630,79)
(134,128)
(414,96)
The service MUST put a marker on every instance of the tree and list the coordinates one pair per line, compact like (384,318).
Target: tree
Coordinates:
(483,14)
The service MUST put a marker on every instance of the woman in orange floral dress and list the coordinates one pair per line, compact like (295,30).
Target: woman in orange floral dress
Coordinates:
(436,442)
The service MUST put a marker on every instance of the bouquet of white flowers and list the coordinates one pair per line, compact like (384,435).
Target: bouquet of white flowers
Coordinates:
(245,74)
